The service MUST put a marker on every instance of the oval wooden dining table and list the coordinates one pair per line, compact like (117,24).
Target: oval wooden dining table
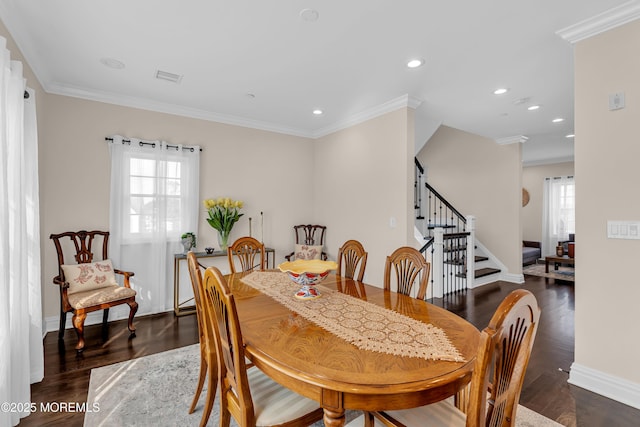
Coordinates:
(308,359)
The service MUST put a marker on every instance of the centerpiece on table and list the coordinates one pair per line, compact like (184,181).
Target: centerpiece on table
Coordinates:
(307,273)
(223,214)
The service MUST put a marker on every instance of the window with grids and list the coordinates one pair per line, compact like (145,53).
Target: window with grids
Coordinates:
(155,200)
(564,220)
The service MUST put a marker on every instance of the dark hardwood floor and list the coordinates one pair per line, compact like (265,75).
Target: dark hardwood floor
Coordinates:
(545,390)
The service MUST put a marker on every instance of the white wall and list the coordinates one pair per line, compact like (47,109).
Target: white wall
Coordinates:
(481,178)
(607,177)
(364,177)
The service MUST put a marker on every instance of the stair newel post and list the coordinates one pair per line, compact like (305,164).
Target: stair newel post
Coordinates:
(471,250)
(437,264)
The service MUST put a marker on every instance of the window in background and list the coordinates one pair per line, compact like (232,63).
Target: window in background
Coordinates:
(559,212)
(154,199)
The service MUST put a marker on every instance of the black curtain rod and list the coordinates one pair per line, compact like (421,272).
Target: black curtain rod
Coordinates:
(559,177)
(153,144)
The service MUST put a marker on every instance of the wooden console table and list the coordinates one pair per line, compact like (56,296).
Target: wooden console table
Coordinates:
(557,260)
(180,308)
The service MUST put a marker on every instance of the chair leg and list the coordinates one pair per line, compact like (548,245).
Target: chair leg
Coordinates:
(368,419)
(132,312)
(105,324)
(78,324)
(225,415)
(63,323)
(212,385)
(201,378)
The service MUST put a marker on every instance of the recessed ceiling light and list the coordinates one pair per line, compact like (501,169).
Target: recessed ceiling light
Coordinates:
(318,112)
(112,63)
(558,120)
(309,15)
(570,136)
(500,91)
(415,63)
(533,107)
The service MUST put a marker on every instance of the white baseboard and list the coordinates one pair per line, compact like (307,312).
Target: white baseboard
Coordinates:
(610,386)
(492,278)
(512,278)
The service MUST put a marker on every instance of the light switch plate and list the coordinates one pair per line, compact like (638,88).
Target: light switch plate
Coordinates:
(623,230)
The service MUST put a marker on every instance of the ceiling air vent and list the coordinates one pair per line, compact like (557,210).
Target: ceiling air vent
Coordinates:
(170,77)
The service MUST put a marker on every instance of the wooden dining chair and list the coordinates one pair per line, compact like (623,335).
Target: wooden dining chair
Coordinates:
(351,258)
(309,242)
(90,283)
(208,354)
(410,266)
(501,362)
(249,396)
(248,252)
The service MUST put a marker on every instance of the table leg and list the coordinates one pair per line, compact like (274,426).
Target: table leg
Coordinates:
(334,418)
(333,407)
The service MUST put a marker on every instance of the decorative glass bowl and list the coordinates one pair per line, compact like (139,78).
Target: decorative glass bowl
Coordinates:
(307,273)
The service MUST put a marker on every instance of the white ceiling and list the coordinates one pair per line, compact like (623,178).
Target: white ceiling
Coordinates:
(350,62)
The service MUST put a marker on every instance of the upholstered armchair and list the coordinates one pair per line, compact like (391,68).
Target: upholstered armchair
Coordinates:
(88,282)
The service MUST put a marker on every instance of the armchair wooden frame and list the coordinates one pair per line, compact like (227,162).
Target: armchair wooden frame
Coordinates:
(307,234)
(351,255)
(83,242)
(249,252)
(409,266)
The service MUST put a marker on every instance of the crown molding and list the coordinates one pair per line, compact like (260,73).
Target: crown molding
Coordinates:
(512,140)
(404,101)
(174,109)
(602,22)
(551,161)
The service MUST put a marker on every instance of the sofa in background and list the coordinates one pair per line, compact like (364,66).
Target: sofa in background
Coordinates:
(531,252)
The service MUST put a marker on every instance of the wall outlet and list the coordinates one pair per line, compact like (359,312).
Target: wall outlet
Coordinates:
(616,101)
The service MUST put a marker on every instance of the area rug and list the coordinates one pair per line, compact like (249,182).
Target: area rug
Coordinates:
(562,273)
(156,391)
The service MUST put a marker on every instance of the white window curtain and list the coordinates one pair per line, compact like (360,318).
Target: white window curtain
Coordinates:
(154,199)
(558,212)
(21,350)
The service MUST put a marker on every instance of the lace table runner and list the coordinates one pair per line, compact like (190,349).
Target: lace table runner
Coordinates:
(365,325)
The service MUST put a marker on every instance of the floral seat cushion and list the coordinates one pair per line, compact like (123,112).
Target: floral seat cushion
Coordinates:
(103,295)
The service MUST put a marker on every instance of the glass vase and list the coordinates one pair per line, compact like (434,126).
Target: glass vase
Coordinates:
(223,240)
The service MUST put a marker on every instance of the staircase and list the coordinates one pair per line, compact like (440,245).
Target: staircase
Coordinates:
(449,242)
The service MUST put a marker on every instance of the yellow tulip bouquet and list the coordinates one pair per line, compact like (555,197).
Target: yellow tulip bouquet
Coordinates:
(223,214)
